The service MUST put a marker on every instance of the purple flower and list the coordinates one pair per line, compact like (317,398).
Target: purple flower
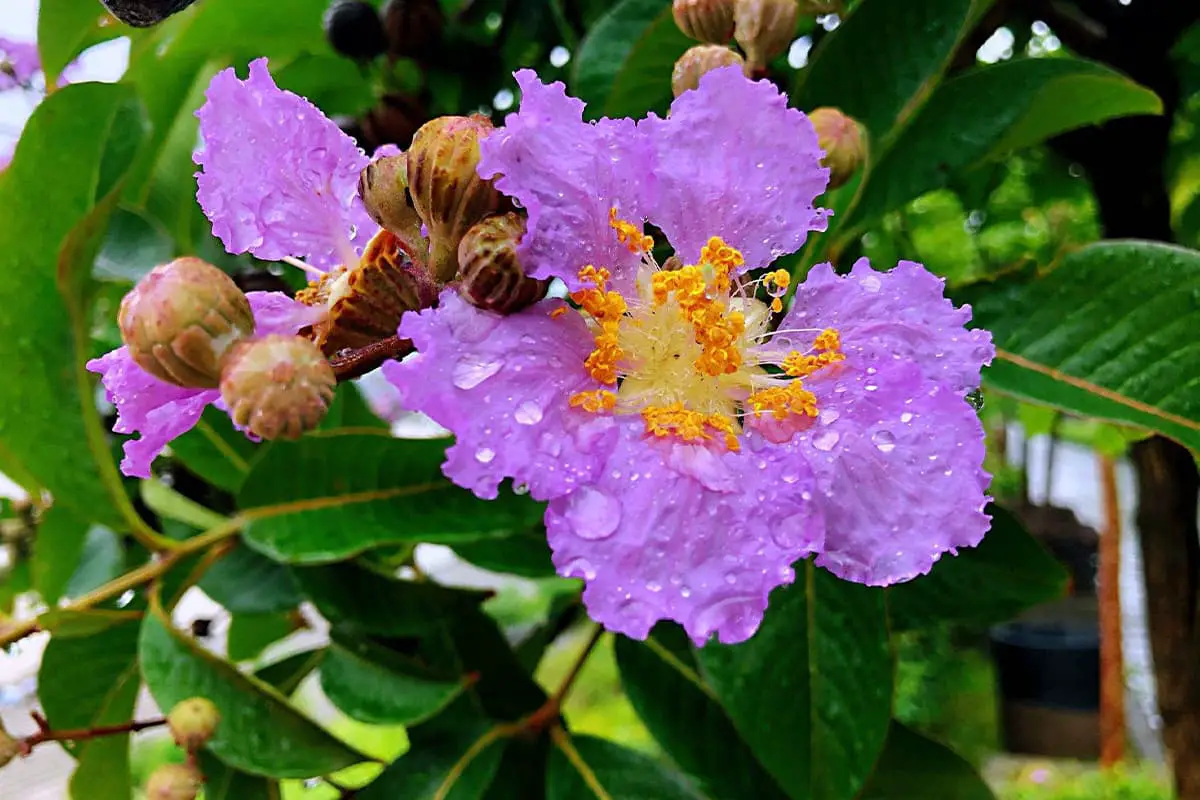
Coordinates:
(278,178)
(19,63)
(691,455)
(159,411)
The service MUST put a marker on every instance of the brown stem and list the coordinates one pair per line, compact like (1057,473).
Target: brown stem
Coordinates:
(359,362)
(549,711)
(1112,674)
(45,734)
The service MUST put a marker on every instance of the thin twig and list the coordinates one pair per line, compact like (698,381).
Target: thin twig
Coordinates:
(550,710)
(45,734)
(359,362)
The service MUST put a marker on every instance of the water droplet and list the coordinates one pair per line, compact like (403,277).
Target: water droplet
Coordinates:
(593,514)
(653,586)
(791,477)
(885,440)
(870,387)
(730,578)
(528,413)
(906,417)
(871,283)
(829,416)
(484,455)
(469,372)
(520,488)
(527,339)
(685,592)
(578,568)
(825,440)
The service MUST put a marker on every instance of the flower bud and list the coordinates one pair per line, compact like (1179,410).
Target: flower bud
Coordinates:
(174,782)
(393,120)
(699,60)
(383,187)
(446,189)
(414,27)
(181,319)
(278,386)
(353,29)
(705,20)
(764,28)
(840,138)
(490,273)
(10,747)
(144,13)
(192,722)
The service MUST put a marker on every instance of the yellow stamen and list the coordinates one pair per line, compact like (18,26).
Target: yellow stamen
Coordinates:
(594,401)
(783,401)
(629,234)
(689,426)
(558,312)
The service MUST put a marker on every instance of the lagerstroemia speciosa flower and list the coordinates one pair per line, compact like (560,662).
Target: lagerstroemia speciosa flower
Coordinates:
(690,455)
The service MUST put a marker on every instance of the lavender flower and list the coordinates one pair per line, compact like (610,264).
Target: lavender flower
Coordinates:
(19,63)
(690,455)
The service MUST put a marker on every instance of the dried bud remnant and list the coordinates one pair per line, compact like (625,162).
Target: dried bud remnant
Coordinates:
(705,20)
(490,273)
(174,782)
(181,320)
(697,61)
(446,189)
(839,136)
(354,29)
(764,28)
(192,722)
(278,386)
(383,187)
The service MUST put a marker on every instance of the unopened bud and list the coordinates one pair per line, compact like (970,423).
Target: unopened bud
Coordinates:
(174,782)
(353,29)
(278,386)
(764,28)
(839,136)
(697,61)
(383,187)
(445,187)
(181,319)
(193,722)
(490,273)
(10,747)
(705,20)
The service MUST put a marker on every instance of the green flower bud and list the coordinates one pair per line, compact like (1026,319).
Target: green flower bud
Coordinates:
(490,274)
(841,139)
(446,189)
(174,782)
(180,321)
(698,60)
(278,386)
(383,187)
(192,722)
(764,28)
(705,20)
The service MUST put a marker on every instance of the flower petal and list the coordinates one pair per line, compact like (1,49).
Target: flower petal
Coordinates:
(278,177)
(275,312)
(568,174)
(502,385)
(680,532)
(899,466)
(901,314)
(19,62)
(732,160)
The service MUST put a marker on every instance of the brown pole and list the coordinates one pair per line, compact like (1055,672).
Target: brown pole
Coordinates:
(1112,673)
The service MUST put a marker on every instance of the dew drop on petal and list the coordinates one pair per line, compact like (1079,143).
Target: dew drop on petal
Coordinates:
(592,514)
(885,440)
(825,440)
(578,568)
(528,413)
(829,416)
(470,372)
(871,283)
(906,417)
(484,455)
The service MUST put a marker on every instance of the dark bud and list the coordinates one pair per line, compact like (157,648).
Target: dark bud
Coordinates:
(414,27)
(354,29)
(144,13)
(395,120)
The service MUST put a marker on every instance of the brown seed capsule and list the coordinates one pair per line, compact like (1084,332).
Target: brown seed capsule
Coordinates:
(697,61)
(383,187)
(414,27)
(277,386)
(764,28)
(192,722)
(174,782)
(490,274)
(446,189)
(841,139)
(705,20)
(365,303)
(181,319)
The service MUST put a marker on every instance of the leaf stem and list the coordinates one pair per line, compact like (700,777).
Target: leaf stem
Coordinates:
(45,734)
(550,710)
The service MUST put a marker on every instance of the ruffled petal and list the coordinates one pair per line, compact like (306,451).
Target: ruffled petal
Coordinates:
(278,177)
(275,312)
(732,160)
(19,63)
(680,532)
(901,314)
(899,466)
(568,174)
(502,385)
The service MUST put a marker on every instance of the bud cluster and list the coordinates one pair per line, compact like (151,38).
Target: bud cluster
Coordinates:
(401,29)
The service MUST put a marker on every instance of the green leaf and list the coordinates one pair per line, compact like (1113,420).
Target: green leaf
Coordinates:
(222,782)
(913,766)
(811,691)
(246,583)
(103,559)
(328,497)
(66,28)
(216,451)
(260,732)
(170,504)
(375,685)
(525,554)
(133,245)
(287,674)
(991,111)
(623,67)
(74,149)
(664,686)
(883,59)
(56,552)
(1109,334)
(250,634)
(1016,571)
(442,764)
(92,680)
(63,623)
(584,766)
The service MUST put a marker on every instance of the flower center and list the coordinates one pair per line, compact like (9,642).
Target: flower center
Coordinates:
(690,351)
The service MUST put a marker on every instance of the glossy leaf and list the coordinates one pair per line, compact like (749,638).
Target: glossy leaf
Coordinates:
(442,764)
(287,674)
(586,767)
(56,551)
(102,559)
(250,634)
(328,497)
(1007,573)
(65,28)
(222,782)
(664,685)
(248,583)
(811,691)
(526,554)
(1109,334)
(914,766)
(216,451)
(260,732)
(133,245)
